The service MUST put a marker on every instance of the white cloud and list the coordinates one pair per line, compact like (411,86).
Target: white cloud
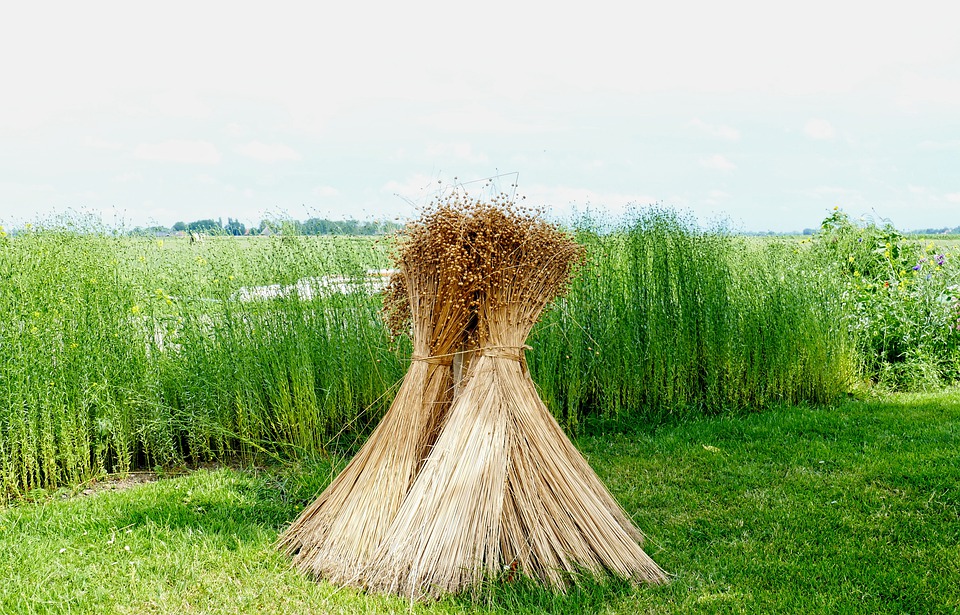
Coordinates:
(268,152)
(231,189)
(715,197)
(940,145)
(125,178)
(819,129)
(720,131)
(835,193)
(180,104)
(176,150)
(234,129)
(921,90)
(476,118)
(561,200)
(95,143)
(718,163)
(457,151)
(325,191)
(953,197)
(418,188)
(21,188)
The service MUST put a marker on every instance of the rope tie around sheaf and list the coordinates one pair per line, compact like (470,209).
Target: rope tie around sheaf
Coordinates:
(498,352)
(434,359)
(505,352)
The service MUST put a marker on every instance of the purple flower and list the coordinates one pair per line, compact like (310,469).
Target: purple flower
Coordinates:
(941,259)
(917,267)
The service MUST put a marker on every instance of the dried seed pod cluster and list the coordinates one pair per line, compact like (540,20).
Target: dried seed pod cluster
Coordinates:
(483,255)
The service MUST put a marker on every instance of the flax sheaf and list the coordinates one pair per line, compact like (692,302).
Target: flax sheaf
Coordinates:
(503,488)
(335,536)
(469,474)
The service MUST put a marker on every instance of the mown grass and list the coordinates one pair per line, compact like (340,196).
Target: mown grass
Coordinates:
(853,508)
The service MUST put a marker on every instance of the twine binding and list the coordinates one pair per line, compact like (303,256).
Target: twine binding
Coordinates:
(439,359)
(497,352)
(505,352)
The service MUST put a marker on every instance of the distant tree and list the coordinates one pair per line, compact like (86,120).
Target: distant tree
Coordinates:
(204,226)
(316,226)
(235,227)
(289,227)
(347,227)
(369,228)
(311,226)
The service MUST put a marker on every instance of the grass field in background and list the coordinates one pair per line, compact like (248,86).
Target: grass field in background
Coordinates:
(853,508)
(120,352)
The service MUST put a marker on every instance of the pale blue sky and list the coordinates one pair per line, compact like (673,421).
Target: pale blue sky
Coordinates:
(766,114)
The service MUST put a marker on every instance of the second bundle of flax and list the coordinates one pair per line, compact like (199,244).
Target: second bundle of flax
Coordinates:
(468,474)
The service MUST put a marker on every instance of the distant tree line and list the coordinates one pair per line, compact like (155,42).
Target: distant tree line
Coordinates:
(938,231)
(311,226)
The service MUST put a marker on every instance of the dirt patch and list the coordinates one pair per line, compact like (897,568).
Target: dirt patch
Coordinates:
(122,482)
(112,483)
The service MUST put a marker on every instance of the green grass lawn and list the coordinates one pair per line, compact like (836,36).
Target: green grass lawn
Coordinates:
(853,509)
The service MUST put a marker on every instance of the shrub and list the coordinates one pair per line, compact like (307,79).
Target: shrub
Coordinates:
(900,298)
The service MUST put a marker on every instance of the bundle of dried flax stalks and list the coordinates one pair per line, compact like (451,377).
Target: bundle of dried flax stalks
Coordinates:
(492,483)
(335,536)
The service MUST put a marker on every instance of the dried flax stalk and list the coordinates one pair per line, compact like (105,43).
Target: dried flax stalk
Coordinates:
(469,475)
(503,488)
(335,536)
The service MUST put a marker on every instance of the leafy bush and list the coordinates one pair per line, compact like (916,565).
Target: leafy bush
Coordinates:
(900,296)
